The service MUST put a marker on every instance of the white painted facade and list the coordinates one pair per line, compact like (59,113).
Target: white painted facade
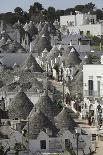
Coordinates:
(57,144)
(93,29)
(77,20)
(52,144)
(85,23)
(94,73)
(92,90)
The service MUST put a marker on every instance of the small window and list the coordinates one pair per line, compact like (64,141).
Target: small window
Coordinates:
(66,142)
(81,32)
(43,144)
(88,32)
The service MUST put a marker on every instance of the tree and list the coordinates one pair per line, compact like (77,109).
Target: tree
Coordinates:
(99,14)
(18,11)
(35,8)
(59,13)
(90,6)
(79,8)
(51,14)
(38,6)
(69,11)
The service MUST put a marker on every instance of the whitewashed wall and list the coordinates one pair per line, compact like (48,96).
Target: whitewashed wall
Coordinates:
(95,29)
(95,71)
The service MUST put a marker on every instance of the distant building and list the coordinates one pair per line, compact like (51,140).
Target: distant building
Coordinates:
(82,23)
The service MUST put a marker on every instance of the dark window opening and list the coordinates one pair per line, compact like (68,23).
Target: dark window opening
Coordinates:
(98,87)
(90,86)
(81,32)
(88,32)
(43,144)
(66,141)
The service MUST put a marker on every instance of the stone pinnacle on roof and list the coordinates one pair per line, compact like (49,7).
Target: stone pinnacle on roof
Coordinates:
(72,50)
(45,51)
(20,107)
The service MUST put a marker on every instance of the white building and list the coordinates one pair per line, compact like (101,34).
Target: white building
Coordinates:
(93,90)
(93,80)
(82,23)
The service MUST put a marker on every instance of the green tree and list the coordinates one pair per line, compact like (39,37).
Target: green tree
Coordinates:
(18,11)
(35,8)
(79,8)
(69,11)
(51,14)
(59,13)
(99,14)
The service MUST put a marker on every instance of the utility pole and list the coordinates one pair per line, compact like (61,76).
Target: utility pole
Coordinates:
(63,90)
(28,136)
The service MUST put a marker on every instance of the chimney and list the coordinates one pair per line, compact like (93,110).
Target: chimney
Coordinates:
(2,26)
(3,104)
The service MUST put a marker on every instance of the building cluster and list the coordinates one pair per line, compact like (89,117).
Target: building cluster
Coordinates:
(82,23)
(50,80)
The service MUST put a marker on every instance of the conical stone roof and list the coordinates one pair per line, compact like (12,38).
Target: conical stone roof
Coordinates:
(46,106)
(31,63)
(20,107)
(79,78)
(32,29)
(39,122)
(54,52)
(43,43)
(73,58)
(85,61)
(17,25)
(13,47)
(64,120)
(40,26)
(45,32)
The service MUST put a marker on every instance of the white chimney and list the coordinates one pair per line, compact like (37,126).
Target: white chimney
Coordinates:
(51,62)
(55,60)
(71,43)
(102,59)
(30,47)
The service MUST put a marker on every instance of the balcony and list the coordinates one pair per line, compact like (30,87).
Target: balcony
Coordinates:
(91,93)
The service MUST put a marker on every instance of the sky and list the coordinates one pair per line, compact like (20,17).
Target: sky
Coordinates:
(10,5)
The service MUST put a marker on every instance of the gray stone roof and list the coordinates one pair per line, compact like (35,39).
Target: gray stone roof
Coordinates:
(32,29)
(10,59)
(20,106)
(43,43)
(72,59)
(47,106)
(31,63)
(54,53)
(64,120)
(13,47)
(39,122)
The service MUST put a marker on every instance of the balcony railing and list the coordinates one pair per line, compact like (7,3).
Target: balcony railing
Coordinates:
(91,93)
